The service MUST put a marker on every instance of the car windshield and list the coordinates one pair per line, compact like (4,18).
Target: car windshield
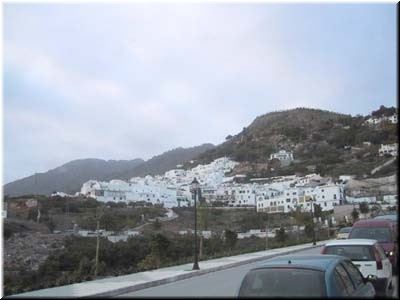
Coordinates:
(345,230)
(283,282)
(381,234)
(354,252)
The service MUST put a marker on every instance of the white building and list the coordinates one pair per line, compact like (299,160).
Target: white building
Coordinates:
(371,199)
(172,189)
(327,196)
(373,120)
(284,156)
(236,194)
(391,199)
(388,149)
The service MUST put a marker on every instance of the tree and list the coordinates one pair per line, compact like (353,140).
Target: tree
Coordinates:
(159,245)
(157,224)
(230,239)
(364,208)
(317,210)
(281,235)
(150,262)
(309,229)
(84,268)
(110,222)
(355,214)
(298,215)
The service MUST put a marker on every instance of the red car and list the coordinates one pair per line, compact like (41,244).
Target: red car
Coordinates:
(381,230)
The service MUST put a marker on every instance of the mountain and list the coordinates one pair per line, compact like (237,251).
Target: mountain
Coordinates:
(326,142)
(161,163)
(69,177)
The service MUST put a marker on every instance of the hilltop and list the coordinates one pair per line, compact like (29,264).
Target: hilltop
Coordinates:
(69,177)
(322,141)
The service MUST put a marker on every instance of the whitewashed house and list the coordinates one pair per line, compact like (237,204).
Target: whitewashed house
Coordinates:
(284,156)
(327,196)
(388,149)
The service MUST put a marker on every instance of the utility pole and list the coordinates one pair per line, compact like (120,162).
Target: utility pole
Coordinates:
(266,234)
(97,250)
(97,244)
(312,210)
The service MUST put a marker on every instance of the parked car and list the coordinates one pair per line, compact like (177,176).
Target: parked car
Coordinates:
(381,230)
(370,259)
(343,233)
(306,276)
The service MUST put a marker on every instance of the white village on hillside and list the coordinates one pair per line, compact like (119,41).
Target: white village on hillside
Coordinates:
(271,195)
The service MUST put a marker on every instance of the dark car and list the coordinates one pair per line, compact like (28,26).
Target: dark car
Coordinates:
(383,231)
(306,276)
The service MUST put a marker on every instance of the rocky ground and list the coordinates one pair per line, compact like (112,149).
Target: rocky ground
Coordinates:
(27,248)
(367,187)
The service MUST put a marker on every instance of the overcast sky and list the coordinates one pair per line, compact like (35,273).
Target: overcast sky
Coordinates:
(134,80)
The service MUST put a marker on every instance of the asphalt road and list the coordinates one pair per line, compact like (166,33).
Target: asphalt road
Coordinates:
(216,284)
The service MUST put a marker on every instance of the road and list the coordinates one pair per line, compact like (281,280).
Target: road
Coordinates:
(216,284)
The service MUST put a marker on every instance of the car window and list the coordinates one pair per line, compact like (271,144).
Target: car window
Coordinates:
(283,282)
(354,252)
(381,234)
(354,272)
(346,279)
(339,284)
(345,230)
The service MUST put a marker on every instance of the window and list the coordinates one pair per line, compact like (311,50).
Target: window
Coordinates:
(338,283)
(334,196)
(287,200)
(274,282)
(354,252)
(325,204)
(355,274)
(346,279)
(380,234)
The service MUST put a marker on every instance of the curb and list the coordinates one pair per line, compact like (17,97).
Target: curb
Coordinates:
(155,283)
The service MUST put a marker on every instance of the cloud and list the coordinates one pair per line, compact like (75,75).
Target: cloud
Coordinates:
(133,80)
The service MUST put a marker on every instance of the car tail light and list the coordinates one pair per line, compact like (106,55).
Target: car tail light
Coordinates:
(324,250)
(377,258)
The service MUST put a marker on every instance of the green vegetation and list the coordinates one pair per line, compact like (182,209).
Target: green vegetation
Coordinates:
(317,138)
(75,263)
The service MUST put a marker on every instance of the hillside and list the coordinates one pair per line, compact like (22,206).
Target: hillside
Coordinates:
(69,177)
(161,163)
(317,139)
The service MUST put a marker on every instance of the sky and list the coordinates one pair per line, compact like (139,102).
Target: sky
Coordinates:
(133,80)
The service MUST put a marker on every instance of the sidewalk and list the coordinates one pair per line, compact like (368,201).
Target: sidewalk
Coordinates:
(114,286)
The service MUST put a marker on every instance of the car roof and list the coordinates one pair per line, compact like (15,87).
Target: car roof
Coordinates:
(372,223)
(317,262)
(352,242)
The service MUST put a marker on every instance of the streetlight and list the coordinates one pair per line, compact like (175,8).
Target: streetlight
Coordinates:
(195,186)
(312,212)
